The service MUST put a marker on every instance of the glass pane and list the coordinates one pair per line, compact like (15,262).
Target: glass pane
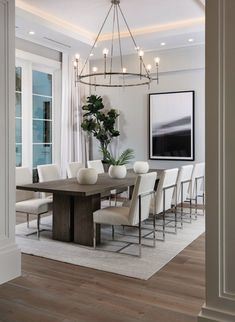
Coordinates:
(18,155)
(18,131)
(42,83)
(18,79)
(41,131)
(42,107)
(18,104)
(42,154)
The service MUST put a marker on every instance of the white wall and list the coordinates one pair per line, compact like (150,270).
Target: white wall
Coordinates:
(180,69)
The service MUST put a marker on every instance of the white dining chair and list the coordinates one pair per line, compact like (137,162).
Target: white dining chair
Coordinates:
(133,215)
(163,200)
(198,177)
(27,201)
(73,168)
(98,165)
(183,183)
(48,172)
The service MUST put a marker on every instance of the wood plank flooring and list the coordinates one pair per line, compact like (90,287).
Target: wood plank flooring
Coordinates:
(50,291)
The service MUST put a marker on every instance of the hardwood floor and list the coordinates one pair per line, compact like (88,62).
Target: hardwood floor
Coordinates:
(49,291)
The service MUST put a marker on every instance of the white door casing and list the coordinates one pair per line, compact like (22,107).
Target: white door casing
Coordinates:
(10,257)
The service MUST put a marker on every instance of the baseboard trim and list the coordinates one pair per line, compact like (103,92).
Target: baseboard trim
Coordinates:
(209,314)
(10,264)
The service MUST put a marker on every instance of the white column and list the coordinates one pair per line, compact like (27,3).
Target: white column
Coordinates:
(10,258)
(220,162)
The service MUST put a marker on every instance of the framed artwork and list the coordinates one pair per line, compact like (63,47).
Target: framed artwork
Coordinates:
(171,126)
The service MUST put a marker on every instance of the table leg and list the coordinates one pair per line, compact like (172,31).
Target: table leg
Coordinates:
(62,217)
(83,219)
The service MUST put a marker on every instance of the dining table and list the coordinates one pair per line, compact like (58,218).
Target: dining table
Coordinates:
(74,204)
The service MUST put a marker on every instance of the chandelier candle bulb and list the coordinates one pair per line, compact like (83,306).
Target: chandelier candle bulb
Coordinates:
(149,67)
(124,70)
(157,60)
(95,69)
(77,57)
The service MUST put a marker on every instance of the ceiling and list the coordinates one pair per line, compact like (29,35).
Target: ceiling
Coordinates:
(72,25)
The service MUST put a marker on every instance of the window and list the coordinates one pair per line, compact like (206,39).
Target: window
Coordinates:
(18,116)
(38,91)
(42,118)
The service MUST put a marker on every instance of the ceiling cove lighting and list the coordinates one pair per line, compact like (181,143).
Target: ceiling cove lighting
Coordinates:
(114,72)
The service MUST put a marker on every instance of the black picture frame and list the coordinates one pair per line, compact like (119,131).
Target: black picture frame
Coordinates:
(171,126)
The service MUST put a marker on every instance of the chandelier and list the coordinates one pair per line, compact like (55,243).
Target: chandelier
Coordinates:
(114,72)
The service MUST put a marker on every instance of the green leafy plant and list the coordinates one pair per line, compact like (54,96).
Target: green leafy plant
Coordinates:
(124,158)
(99,123)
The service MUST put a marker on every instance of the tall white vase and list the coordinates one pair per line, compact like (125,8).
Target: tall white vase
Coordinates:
(117,171)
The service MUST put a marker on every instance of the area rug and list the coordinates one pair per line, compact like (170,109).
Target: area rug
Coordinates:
(152,260)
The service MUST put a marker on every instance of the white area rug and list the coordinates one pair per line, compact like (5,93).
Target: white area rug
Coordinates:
(152,260)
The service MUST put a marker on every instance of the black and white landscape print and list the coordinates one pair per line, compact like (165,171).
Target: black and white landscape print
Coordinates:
(171,126)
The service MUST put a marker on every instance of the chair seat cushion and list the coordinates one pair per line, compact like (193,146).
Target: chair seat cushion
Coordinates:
(34,206)
(112,216)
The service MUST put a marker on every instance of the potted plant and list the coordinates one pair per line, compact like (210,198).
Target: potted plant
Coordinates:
(117,167)
(98,123)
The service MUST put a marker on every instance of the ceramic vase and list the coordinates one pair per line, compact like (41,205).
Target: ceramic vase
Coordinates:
(117,171)
(87,176)
(141,167)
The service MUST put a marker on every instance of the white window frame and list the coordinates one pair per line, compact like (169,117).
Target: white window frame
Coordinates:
(29,62)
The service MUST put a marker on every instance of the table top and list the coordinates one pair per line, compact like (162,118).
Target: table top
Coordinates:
(71,186)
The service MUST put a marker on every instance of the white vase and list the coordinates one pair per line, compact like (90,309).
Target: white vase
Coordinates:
(117,171)
(141,167)
(87,176)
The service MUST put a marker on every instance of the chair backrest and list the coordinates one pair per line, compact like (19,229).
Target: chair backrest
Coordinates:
(72,169)
(198,171)
(48,172)
(184,174)
(23,176)
(96,164)
(168,179)
(144,185)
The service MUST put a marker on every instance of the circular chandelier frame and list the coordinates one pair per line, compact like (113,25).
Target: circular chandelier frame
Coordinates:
(91,78)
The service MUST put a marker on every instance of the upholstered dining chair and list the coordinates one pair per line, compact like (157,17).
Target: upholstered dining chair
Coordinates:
(133,215)
(73,168)
(27,201)
(198,175)
(183,183)
(98,165)
(48,172)
(164,194)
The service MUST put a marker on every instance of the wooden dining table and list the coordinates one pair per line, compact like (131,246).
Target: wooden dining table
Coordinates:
(74,204)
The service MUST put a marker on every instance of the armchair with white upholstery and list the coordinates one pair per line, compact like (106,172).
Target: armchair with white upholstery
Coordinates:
(73,168)
(198,177)
(183,183)
(27,201)
(98,165)
(133,215)
(48,172)
(164,195)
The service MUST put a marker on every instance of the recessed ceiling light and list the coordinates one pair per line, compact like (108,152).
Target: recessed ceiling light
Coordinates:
(163,44)
(190,40)
(31,32)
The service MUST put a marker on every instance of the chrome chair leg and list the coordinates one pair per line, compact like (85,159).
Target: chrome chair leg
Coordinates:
(38,226)
(94,235)
(112,232)
(27,220)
